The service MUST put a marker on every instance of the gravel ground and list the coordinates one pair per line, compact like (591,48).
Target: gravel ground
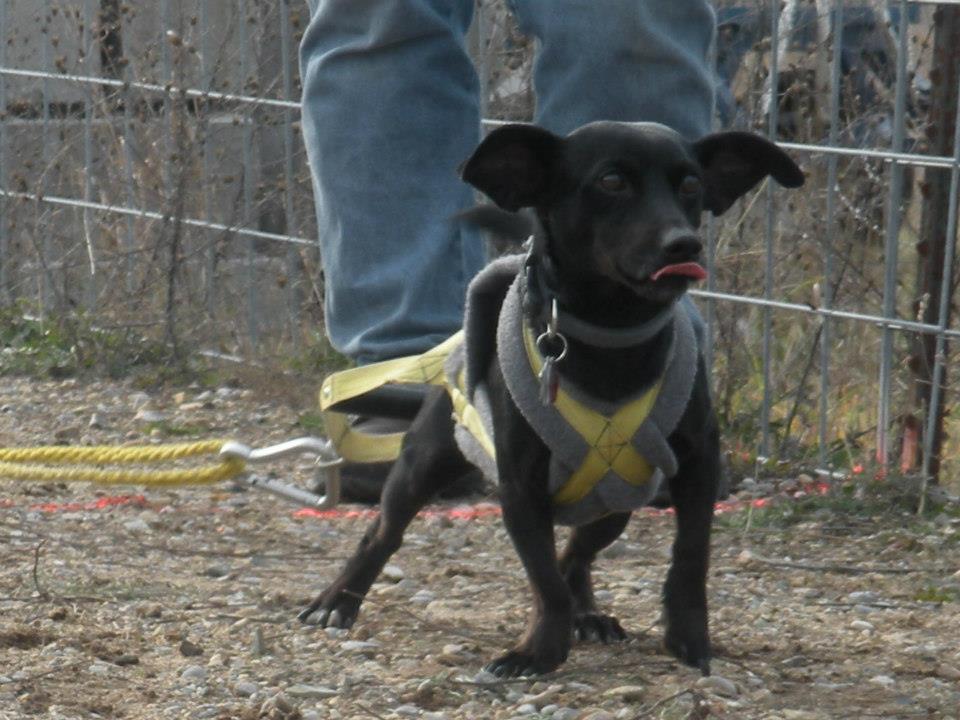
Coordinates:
(182,604)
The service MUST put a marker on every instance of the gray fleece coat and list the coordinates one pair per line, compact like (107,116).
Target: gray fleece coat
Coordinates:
(494,323)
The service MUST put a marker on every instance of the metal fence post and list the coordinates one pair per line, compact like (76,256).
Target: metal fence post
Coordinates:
(90,228)
(46,274)
(206,83)
(247,175)
(126,97)
(826,289)
(711,238)
(891,245)
(291,224)
(773,115)
(4,258)
(946,287)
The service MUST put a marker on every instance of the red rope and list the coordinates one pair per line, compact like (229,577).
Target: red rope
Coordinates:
(460,512)
(102,503)
(480,511)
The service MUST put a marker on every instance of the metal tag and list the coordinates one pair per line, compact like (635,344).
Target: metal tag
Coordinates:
(549,381)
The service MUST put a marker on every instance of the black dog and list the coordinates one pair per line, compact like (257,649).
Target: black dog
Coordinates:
(617,208)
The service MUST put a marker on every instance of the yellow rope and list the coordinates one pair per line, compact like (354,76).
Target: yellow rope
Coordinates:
(107,454)
(46,464)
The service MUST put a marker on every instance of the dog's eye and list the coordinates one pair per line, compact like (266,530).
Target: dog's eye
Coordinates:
(690,186)
(613,182)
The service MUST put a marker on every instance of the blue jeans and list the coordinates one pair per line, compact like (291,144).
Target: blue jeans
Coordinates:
(391,109)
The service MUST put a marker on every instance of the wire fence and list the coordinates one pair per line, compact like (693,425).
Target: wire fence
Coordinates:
(152,176)
(152,173)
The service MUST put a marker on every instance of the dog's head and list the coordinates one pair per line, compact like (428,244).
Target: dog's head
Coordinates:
(622,202)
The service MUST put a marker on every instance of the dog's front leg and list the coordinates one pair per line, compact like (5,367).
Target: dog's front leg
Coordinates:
(575,562)
(546,643)
(693,491)
(522,463)
(428,460)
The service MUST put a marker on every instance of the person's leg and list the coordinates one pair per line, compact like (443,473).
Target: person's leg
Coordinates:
(390,110)
(632,60)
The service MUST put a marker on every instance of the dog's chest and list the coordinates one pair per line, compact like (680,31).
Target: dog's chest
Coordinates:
(604,458)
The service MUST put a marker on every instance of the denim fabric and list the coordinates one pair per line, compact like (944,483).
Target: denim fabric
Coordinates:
(621,60)
(391,109)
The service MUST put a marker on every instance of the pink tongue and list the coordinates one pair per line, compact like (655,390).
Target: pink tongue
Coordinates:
(688,269)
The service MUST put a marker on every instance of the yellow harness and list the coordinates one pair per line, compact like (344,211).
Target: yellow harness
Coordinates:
(608,437)
(345,385)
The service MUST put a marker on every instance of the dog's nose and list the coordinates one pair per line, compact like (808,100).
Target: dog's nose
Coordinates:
(681,246)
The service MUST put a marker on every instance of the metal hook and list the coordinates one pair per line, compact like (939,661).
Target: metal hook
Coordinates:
(327,462)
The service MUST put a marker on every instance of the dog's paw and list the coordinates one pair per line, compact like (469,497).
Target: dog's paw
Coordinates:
(518,663)
(331,610)
(692,648)
(596,627)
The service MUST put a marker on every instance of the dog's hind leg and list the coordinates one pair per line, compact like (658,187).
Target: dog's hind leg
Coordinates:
(575,562)
(428,461)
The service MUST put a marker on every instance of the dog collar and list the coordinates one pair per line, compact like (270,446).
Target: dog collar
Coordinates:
(608,337)
(538,306)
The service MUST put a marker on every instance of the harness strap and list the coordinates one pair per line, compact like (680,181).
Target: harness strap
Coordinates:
(609,437)
(467,414)
(339,387)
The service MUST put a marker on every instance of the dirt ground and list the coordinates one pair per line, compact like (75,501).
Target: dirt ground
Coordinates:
(133,603)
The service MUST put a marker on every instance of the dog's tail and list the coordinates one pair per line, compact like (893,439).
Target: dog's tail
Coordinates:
(502,224)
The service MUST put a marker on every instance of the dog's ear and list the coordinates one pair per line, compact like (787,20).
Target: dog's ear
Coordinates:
(733,162)
(515,166)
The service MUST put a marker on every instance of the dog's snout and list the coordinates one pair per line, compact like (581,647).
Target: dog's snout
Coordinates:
(681,245)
